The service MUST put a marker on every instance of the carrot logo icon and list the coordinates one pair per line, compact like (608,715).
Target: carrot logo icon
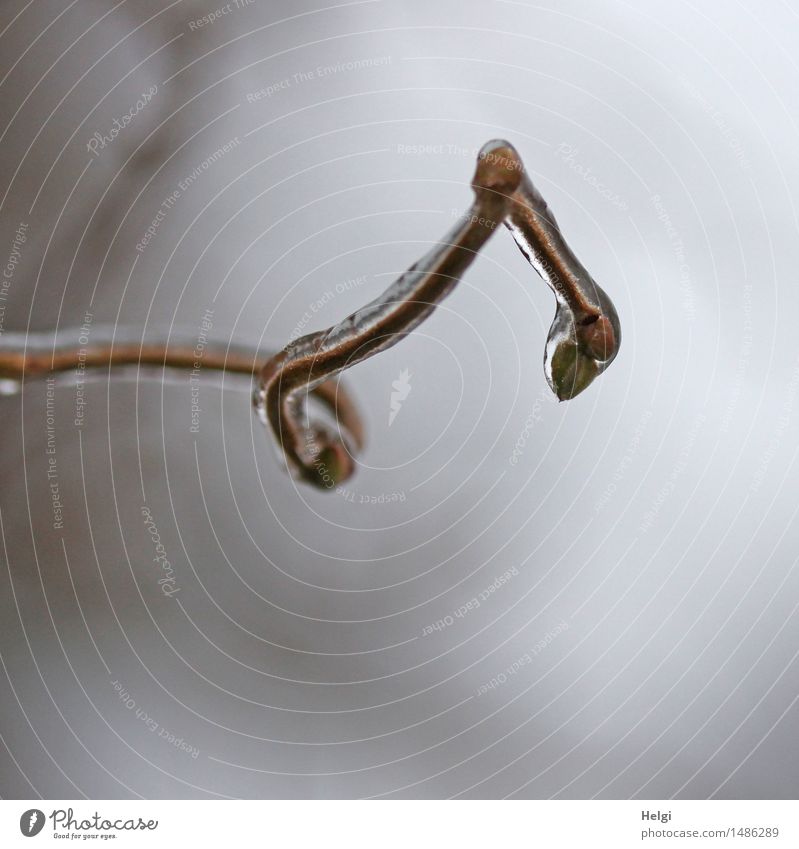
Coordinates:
(402,389)
(31,822)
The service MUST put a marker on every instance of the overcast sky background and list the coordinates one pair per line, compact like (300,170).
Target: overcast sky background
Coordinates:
(632,552)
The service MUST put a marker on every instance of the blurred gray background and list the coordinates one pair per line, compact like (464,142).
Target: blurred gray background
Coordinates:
(632,552)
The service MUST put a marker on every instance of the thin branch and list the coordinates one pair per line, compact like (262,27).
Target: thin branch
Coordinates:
(25,356)
(583,339)
(313,452)
(585,335)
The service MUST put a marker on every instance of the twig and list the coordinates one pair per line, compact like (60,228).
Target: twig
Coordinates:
(25,356)
(583,340)
(585,335)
